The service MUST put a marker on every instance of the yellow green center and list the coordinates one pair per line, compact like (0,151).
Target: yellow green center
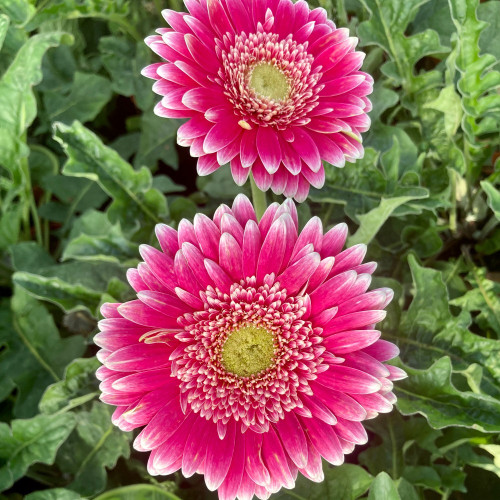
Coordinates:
(248,351)
(268,81)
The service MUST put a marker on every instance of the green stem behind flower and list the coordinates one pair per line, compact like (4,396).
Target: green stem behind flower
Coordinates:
(259,199)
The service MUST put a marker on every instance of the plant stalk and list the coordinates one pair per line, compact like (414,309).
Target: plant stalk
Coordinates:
(259,199)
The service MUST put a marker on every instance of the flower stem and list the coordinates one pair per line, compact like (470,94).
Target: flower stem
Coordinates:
(259,199)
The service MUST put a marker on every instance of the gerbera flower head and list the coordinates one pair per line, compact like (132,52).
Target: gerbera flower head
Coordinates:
(270,86)
(250,352)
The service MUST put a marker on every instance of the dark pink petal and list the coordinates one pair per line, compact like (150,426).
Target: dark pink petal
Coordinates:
(324,439)
(268,218)
(151,403)
(396,373)
(195,449)
(195,260)
(349,258)
(160,264)
(341,85)
(261,176)
(207,164)
(306,148)
(243,210)
(226,154)
(382,350)
(351,431)
(168,239)
(222,281)
(185,276)
(116,340)
(295,276)
(248,147)
(331,293)
(221,135)
(293,438)
(339,403)
(203,56)
(254,466)
(371,300)
(373,402)
(240,174)
(196,127)
(167,458)
(334,240)
(345,379)
(167,304)
(186,233)
(229,488)
(354,321)
(312,233)
(135,280)
(139,357)
(223,209)
(246,488)
(200,99)
(230,256)
(230,225)
(362,361)
(161,426)
(219,456)
(151,71)
(269,148)
(208,235)
(218,18)
(314,468)
(350,341)
(318,409)
(143,381)
(302,189)
(109,310)
(320,274)
(142,314)
(275,460)
(315,179)
(251,248)
(290,158)
(273,249)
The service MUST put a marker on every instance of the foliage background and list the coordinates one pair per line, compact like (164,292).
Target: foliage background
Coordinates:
(86,170)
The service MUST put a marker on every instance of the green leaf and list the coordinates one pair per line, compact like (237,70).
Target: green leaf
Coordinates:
(124,61)
(429,332)
(138,492)
(31,441)
(489,41)
(77,104)
(383,488)
(53,494)
(371,222)
(450,104)
(79,386)
(484,297)
(134,200)
(493,197)
(17,101)
(66,295)
(19,11)
(431,393)
(346,482)
(4,25)
(10,225)
(96,445)
(33,354)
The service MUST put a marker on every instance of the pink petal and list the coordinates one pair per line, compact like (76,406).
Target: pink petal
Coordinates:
(269,149)
(350,380)
(168,239)
(339,403)
(312,233)
(254,466)
(351,341)
(295,276)
(306,148)
(142,314)
(139,357)
(243,210)
(293,438)
(248,147)
(275,459)
(382,350)
(354,321)
(229,488)
(251,248)
(230,225)
(334,240)
(230,256)
(331,292)
(219,457)
(324,439)
(208,235)
(196,446)
(196,262)
(353,432)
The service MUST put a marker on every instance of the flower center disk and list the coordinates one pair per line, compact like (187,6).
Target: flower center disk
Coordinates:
(268,81)
(248,351)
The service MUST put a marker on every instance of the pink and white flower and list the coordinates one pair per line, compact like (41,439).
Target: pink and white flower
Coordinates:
(250,352)
(270,86)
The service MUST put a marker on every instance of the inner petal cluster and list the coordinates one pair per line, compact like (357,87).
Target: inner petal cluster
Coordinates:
(269,81)
(249,355)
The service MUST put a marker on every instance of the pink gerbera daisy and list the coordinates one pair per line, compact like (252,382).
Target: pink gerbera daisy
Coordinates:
(268,85)
(250,352)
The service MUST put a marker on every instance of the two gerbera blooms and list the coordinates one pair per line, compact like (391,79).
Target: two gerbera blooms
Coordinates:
(250,352)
